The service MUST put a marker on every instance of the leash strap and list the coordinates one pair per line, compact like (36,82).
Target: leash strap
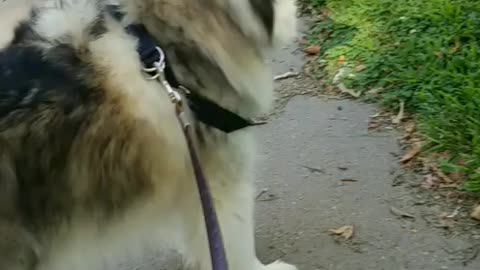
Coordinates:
(157,68)
(214,234)
(215,241)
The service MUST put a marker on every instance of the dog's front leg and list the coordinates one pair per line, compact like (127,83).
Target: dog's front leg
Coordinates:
(235,212)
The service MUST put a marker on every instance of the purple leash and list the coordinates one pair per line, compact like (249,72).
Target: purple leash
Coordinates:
(214,234)
(153,59)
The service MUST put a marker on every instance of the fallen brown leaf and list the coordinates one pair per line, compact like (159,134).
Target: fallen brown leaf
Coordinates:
(412,153)
(437,171)
(314,49)
(476,213)
(457,176)
(345,231)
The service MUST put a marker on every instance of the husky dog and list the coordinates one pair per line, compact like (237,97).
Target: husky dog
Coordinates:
(92,157)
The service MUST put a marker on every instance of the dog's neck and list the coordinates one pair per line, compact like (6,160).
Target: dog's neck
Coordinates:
(209,54)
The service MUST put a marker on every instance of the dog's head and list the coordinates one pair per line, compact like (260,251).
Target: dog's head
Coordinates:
(268,22)
(217,47)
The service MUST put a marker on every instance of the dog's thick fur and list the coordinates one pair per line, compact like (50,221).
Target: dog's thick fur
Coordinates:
(92,158)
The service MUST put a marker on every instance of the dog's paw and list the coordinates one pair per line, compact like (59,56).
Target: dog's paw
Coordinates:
(279,265)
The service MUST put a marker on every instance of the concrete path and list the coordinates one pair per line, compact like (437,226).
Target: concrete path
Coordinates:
(323,170)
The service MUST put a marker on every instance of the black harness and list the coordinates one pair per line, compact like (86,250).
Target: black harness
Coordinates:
(204,110)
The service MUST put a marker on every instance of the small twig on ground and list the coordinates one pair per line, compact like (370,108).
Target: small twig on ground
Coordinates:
(263,191)
(349,180)
(397,120)
(286,75)
(270,197)
(454,213)
(259,123)
(349,91)
(400,213)
(314,170)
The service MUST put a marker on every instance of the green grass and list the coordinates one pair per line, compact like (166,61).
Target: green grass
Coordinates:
(423,52)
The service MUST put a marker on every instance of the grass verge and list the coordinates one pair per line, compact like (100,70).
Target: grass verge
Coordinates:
(425,53)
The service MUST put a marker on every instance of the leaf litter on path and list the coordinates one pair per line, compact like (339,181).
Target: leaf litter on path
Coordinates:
(313,50)
(438,172)
(429,181)
(412,153)
(476,213)
(346,232)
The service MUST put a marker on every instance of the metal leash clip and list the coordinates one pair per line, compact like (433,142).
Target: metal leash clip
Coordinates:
(157,72)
